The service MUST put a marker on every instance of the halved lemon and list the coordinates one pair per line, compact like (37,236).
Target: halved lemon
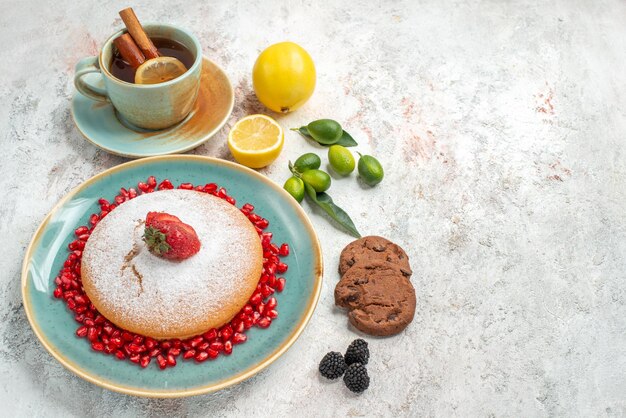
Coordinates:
(256,141)
(159,70)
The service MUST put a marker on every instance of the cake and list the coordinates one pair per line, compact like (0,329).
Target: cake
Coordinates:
(140,291)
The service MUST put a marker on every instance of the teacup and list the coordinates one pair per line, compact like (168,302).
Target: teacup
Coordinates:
(148,106)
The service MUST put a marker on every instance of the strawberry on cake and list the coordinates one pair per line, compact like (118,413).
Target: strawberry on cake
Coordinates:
(172,264)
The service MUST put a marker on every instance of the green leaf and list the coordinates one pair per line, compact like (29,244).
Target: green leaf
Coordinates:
(325,202)
(346,140)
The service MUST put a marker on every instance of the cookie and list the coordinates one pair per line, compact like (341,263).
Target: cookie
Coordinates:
(374,248)
(380,298)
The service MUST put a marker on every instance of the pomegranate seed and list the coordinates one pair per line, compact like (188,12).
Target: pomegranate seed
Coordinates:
(260,308)
(210,188)
(71,304)
(239,328)
(166,185)
(80,318)
(176,343)
(58,293)
(269,269)
(247,208)
(99,319)
(186,186)
(135,358)
(212,353)
(97,346)
(161,361)
(263,223)
(255,317)
(120,355)
(264,322)
(201,356)
(203,346)
(93,219)
(239,338)
(155,352)
(83,237)
(217,346)
(247,309)
(281,268)
(132,193)
(274,248)
(82,331)
(116,341)
(145,360)
(133,348)
(196,341)
(150,343)
(88,321)
(247,323)
(143,187)
(266,291)
(210,334)
(138,340)
(108,329)
(189,354)
(222,193)
(271,303)
(152,181)
(81,230)
(226,332)
(174,352)
(256,298)
(231,200)
(187,345)
(127,336)
(280,284)
(92,334)
(228,347)
(284,250)
(272,314)
(171,360)
(166,345)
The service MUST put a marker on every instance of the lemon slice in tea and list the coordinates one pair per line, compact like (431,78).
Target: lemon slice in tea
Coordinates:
(159,70)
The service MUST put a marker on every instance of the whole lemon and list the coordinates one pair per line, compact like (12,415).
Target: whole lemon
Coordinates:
(283,77)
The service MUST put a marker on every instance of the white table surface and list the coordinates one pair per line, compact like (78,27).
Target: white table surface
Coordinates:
(502,128)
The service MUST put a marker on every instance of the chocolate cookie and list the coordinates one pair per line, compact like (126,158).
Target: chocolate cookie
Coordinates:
(371,249)
(380,298)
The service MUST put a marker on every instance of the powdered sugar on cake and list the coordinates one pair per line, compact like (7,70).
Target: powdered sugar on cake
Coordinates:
(128,277)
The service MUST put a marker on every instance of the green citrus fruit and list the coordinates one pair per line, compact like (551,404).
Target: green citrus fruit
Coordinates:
(318,179)
(295,187)
(308,161)
(325,131)
(341,159)
(370,170)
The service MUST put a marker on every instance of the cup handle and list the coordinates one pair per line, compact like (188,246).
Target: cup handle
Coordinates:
(86,66)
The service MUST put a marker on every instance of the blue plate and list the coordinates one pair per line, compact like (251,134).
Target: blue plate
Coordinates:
(99,123)
(54,324)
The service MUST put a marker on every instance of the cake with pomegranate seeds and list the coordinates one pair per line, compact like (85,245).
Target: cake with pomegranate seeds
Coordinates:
(172,264)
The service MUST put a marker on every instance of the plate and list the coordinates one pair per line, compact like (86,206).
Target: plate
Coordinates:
(100,125)
(54,324)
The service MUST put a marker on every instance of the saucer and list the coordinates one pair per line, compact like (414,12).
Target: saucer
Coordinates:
(102,126)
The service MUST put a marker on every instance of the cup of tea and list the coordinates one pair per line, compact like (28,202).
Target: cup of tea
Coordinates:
(108,78)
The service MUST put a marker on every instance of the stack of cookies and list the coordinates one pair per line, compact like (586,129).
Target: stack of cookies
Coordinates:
(375,286)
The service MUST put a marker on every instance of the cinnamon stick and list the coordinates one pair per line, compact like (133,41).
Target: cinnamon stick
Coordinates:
(129,50)
(139,35)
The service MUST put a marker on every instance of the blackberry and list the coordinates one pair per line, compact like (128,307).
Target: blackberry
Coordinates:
(356,378)
(332,365)
(357,352)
